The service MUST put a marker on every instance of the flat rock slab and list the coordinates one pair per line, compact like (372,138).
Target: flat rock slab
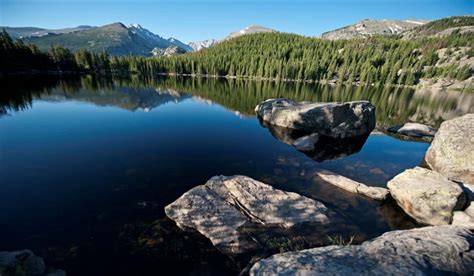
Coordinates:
(436,250)
(337,120)
(452,151)
(414,130)
(427,196)
(218,208)
(347,184)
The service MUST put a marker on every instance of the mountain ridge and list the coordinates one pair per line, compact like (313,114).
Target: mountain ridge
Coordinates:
(251,29)
(119,39)
(371,27)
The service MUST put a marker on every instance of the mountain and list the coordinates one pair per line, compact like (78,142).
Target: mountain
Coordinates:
(169,51)
(370,27)
(203,44)
(21,32)
(180,44)
(252,29)
(442,27)
(116,38)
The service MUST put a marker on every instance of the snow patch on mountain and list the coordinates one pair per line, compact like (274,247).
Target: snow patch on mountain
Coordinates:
(203,44)
(252,29)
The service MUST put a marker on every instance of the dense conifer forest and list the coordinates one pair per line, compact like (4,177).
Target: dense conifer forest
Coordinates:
(279,56)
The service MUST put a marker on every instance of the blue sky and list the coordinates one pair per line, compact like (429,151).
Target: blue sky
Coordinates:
(190,20)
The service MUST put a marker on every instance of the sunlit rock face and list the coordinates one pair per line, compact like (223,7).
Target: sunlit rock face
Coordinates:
(427,196)
(452,151)
(437,250)
(220,209)
(413,130)
(336,120)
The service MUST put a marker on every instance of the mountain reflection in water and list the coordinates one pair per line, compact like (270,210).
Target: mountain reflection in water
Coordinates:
(394,105)
(88,164)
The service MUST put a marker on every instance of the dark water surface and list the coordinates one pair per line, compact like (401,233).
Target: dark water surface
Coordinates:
(87,165)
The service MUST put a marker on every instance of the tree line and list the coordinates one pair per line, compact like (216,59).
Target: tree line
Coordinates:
(394,104)
(279,56)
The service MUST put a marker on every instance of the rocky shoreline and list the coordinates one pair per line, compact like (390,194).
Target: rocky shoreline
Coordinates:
(439,195)
(243,216)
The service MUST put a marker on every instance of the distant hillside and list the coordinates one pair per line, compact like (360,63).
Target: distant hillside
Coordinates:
(117,39)
(179,44)
(21,32)
(252,29)
(372,60)
(369,27)
(442,27)
(169,51)
(204,44)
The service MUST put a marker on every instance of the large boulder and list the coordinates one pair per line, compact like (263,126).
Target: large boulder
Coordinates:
(224,204)
(452,151)
(414,130)
(436,250)
(22,262)
(337,120)
(427,196)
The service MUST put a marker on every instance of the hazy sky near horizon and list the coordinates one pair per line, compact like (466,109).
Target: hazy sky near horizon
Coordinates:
(190,20)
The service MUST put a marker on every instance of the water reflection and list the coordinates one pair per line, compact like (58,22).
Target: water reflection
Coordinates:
(394,105)
(86,173)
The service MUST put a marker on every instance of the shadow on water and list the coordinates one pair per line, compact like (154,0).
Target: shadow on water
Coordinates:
(93,161)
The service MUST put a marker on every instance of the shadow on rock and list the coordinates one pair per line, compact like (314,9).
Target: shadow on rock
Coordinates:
(326,148)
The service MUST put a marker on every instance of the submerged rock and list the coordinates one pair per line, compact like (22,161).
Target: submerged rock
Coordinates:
(24,263)
(435,250)
(452,151)
(427,196)
(218,208)
(414,130)
(337,120)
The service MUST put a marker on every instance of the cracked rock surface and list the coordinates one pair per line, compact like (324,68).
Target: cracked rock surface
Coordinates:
(435,250)
(218,208)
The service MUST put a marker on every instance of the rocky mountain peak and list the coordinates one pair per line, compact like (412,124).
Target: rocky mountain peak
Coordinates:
(251,29)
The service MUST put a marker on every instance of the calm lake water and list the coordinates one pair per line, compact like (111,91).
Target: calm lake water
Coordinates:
(87,165)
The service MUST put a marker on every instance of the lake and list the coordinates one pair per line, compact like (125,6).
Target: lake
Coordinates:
(87,164)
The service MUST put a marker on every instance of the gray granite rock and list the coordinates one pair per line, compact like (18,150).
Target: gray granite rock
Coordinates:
(352,186)
(218,208)
(326,148)
(462,219)
(337,120)
(452,151)
(306,143)
(436,250)
(427,196)
(414,130)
